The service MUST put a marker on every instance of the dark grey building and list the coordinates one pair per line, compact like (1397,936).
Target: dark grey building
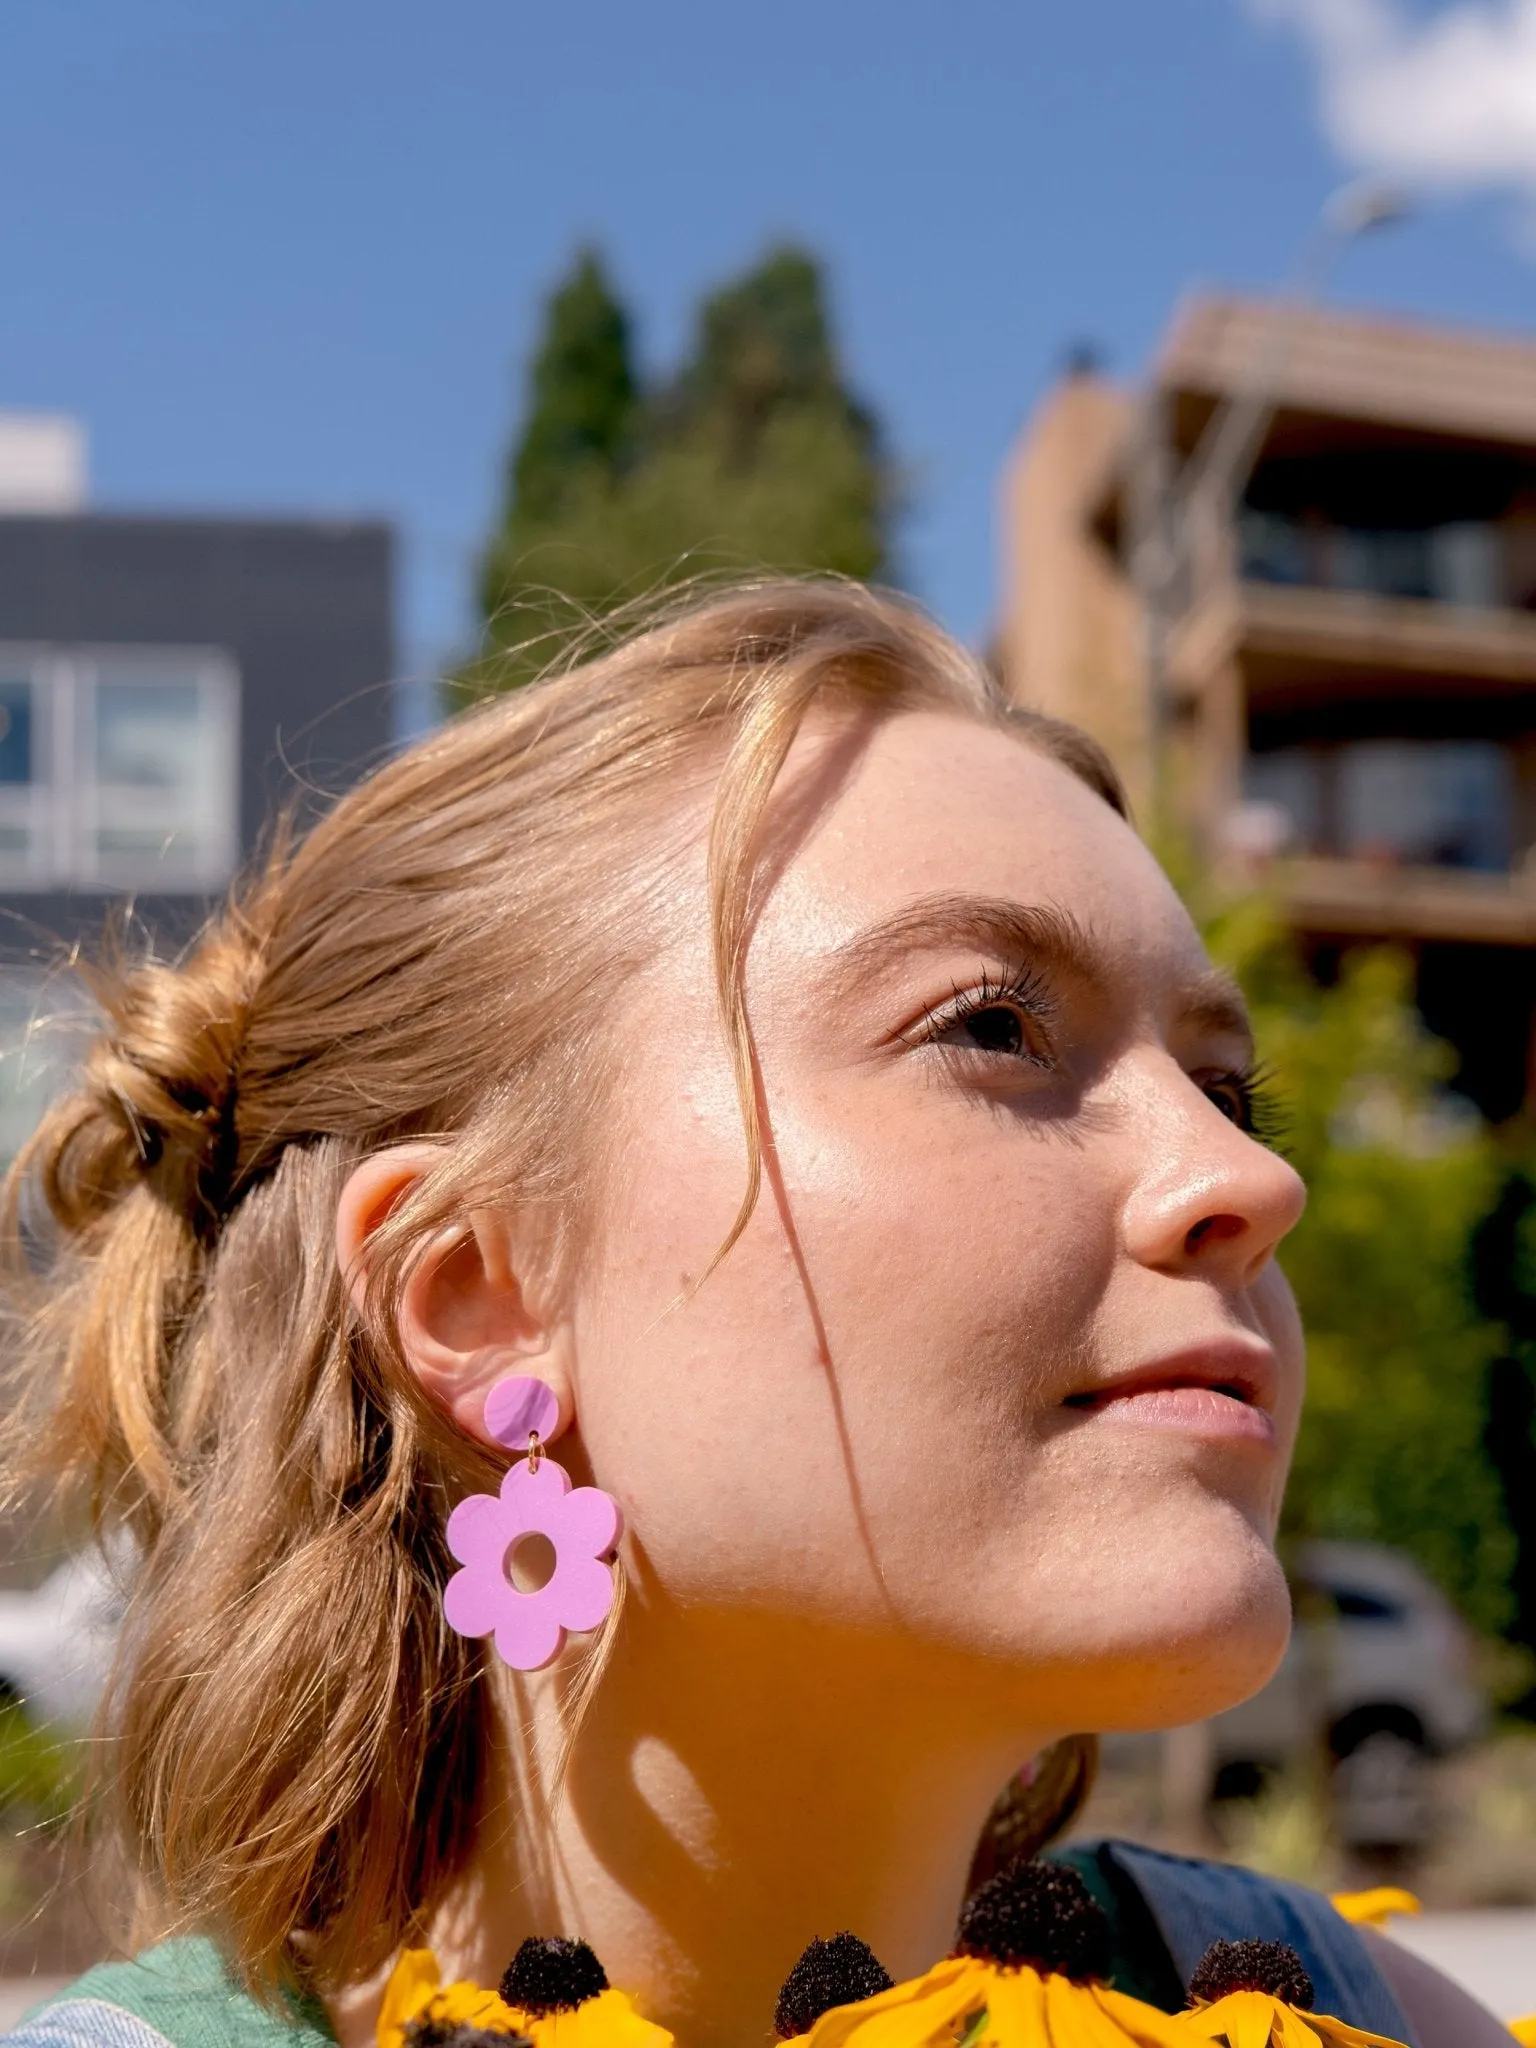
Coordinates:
(165,685)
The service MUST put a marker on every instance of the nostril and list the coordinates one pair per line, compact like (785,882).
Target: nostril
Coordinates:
(1213,1230)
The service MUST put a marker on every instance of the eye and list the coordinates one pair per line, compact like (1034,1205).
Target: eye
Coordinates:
(1003,1019)
(1247,1098)
(998,1028)
(1230,1094)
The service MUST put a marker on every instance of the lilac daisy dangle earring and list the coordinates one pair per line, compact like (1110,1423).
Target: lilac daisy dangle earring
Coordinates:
(581,1524)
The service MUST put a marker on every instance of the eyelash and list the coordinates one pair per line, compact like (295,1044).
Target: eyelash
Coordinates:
(1022,989)
(1261,1108)
(1260,1111)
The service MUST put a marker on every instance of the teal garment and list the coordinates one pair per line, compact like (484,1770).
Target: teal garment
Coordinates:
(182,1991)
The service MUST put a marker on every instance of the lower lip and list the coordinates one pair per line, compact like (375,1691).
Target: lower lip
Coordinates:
(1192,1411)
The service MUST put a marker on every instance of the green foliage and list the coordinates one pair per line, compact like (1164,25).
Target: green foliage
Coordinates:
(754,456)
(1391,1447)
(40,1775)
(583,396)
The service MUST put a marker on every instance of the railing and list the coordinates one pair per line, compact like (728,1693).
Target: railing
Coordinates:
(1461,562)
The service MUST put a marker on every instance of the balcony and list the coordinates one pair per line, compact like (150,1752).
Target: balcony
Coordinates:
(1351,899)
(1298,645)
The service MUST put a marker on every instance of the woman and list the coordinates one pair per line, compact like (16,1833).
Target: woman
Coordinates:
(776,1059)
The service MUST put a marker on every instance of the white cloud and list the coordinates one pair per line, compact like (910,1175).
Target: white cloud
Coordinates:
(1448,101)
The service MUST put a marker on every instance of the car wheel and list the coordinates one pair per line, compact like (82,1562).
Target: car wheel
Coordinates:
(1381,1793)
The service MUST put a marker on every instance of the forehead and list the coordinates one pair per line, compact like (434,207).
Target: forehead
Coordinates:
(929,805)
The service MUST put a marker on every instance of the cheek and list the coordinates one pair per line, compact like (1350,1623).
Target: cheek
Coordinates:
(864,1370)
(948,1249)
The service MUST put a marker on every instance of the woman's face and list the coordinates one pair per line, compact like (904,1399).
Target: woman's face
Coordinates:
(1003,1366)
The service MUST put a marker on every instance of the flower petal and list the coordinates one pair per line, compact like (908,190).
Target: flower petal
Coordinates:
(909,2015)
(587,1520)
(607,2021)
(411,1985)
(477,1528)
(474,1600)
(535,1495)
(1144,2024)
(580,1592)
(528,1631)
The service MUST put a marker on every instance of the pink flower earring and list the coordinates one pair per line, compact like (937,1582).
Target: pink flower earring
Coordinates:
(536,1499)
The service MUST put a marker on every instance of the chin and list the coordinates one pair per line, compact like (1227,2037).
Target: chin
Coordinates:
(1208,1643)
(1157,1633)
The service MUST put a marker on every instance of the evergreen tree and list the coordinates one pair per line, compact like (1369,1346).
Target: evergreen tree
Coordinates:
(755,456)
(583,394)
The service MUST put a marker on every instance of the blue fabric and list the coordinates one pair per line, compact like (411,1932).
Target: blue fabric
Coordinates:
(84,2023)
(1197,1903)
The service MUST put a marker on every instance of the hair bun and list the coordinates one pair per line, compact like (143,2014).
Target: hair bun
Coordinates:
(156,1098)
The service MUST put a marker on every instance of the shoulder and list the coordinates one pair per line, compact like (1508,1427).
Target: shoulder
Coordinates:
(176,1995)
(1440,2013)
(1361,1978)
(70,2021)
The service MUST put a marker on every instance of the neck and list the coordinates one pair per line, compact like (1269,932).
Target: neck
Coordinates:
(738,1787)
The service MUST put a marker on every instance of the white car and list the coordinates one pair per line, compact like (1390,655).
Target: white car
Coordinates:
(57,1642)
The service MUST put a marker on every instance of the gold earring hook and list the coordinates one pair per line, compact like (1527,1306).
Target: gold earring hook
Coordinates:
(535,1450)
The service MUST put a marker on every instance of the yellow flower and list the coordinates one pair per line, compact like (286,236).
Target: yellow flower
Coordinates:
(1524,2031)
(607,2021)
(966,2003)
(416,1991)
(1376,1907)
(1257,2019)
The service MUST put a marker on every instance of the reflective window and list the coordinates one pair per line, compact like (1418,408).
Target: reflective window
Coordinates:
(1443,803)
(1422,803)
(15,731)
(1462,562)
(118,769)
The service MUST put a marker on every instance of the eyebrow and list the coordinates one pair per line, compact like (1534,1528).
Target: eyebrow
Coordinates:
(1044,934)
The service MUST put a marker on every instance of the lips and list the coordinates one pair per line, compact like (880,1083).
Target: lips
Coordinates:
(1225,1389)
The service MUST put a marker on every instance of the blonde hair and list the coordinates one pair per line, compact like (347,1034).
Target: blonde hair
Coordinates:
(298,1743)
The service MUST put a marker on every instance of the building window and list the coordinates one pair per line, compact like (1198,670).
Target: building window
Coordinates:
(1428,803)
(1458,563)
(118,768)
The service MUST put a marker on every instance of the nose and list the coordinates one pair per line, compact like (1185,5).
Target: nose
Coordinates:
(1207,1199)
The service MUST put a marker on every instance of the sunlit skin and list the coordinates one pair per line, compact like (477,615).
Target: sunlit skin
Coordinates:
(976,1437)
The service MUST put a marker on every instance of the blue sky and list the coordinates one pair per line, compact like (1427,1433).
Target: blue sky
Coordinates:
(291,256)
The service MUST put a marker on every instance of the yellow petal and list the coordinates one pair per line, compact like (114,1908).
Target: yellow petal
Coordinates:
(1243,2019)
(412,1983)
(1375,1907)
(1019,2010)
(471,2005)
(1093,2016)
(607,2021)
(416,1990)
(1524,2031)
(1253,2019)
(925,2010)
(1146,2025)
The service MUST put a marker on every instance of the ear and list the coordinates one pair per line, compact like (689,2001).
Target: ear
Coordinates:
(471,1310)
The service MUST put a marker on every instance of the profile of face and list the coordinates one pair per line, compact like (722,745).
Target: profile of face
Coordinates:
(1002,1368)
